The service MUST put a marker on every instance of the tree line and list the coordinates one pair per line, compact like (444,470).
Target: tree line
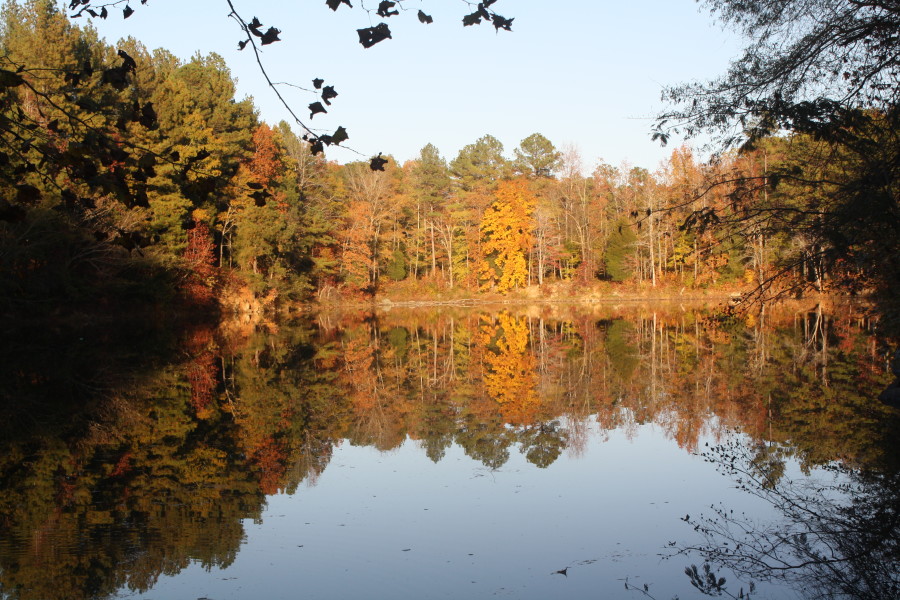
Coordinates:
(136,175)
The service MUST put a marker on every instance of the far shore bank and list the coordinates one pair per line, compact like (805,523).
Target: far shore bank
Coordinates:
(633,298)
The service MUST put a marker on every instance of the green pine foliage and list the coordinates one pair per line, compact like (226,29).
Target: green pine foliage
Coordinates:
(619,252)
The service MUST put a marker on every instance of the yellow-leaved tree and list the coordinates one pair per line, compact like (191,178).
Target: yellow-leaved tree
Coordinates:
(507,229)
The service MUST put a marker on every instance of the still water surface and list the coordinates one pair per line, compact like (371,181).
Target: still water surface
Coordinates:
(455,454)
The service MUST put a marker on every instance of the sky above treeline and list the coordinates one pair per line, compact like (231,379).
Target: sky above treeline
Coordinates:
(586,73)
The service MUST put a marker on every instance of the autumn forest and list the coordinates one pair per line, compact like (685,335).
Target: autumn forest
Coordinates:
(138,179)
(204,315)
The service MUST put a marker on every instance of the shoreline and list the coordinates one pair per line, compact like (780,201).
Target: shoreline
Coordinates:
(717,299)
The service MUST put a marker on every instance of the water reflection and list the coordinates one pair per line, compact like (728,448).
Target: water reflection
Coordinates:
(166,467)
(835,535)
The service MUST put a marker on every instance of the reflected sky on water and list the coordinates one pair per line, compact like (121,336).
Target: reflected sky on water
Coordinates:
(396,525)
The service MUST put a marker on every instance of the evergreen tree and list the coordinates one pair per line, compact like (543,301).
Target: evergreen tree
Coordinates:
(435,228)
(537,157)
(202,125)
(480,164)
(310,189)
(620,251)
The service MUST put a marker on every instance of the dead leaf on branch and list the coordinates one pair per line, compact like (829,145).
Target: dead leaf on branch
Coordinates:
(328,94)
(10,79)
(270,36)
(385,9)
(377,163)
(501,22)
(472,19)
(370,36)
(339,135)
(27,194)
(334,4)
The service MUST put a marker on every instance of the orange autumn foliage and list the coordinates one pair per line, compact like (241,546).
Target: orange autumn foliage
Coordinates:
(510,375)
(508,231)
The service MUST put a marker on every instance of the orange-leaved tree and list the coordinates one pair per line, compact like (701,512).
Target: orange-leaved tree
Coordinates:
(507,228)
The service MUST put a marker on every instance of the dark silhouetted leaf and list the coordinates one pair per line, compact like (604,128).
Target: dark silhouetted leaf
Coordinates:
(260,197)
(340,135)
(72,78)
(140,198)
(127,12)
(88,104)
(148,117)
(472,19)
(370,36)
(146,163)
(501,23)
(127,62)
(423,18)
(270,36)
(316,108)
(317,83)
(377,163)
(125,241)
(242,45)
(328,94)
(10,79)
(384,9)
(254,27)
(333,4)
(27,194)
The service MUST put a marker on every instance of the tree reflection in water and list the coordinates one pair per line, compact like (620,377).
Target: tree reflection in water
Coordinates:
(168,458)
(837,536)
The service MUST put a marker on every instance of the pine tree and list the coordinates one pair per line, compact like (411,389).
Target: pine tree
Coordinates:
(620,251)
(537,157)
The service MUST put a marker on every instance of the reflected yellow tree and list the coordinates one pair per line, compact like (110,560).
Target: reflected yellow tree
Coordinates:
(509,377)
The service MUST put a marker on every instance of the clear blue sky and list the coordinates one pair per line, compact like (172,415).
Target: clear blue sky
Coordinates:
(583,72)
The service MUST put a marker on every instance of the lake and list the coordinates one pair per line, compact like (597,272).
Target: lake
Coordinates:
(511,451)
